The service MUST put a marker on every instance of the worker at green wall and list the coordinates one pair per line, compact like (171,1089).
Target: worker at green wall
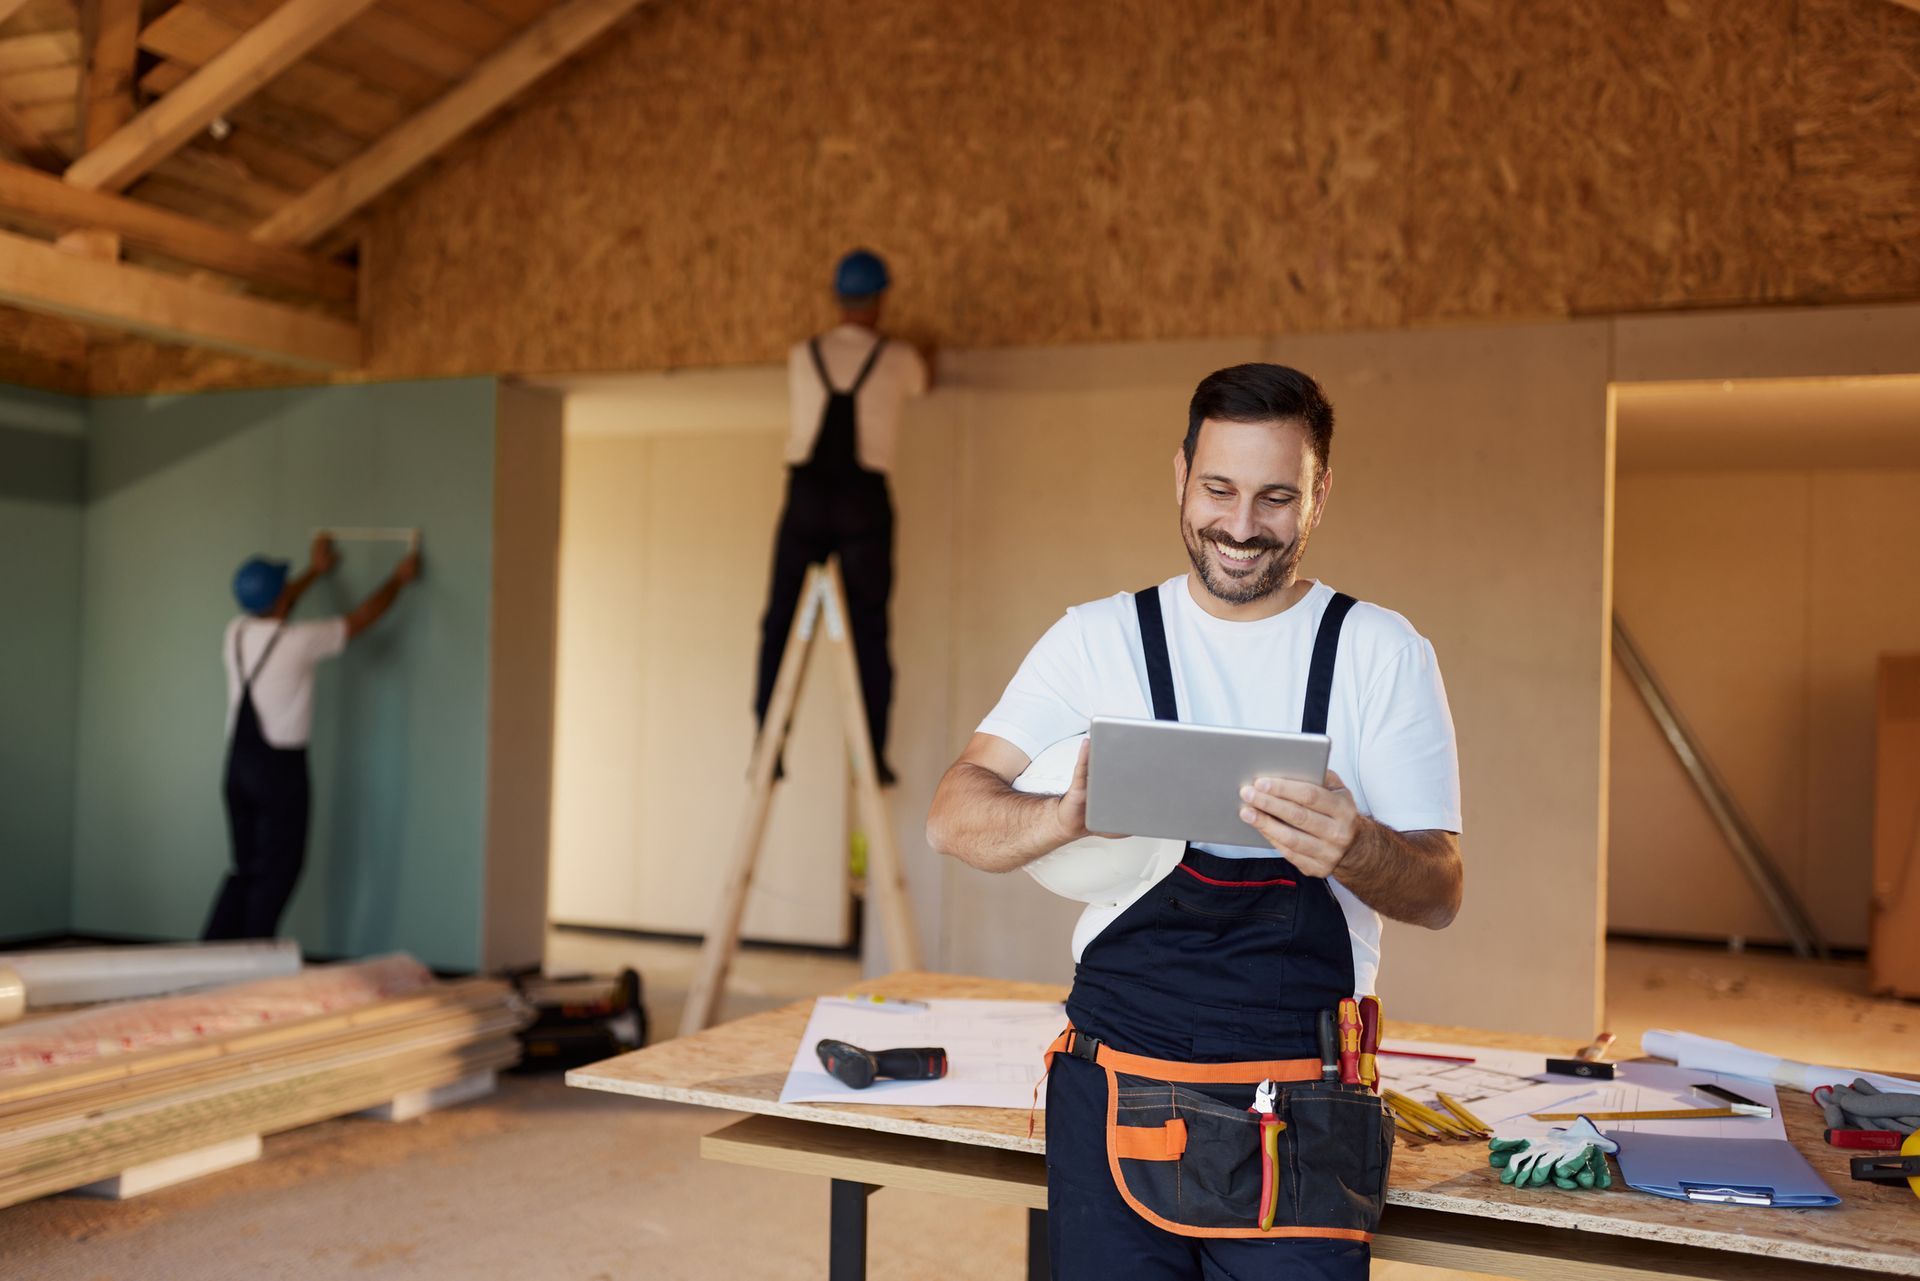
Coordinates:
(270,664)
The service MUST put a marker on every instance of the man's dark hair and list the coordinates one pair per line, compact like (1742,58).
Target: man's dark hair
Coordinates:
(1260,393)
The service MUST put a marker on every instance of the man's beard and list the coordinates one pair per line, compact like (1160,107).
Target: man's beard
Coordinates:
(1275,576)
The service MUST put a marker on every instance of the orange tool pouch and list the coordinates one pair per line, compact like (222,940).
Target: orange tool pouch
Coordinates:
(1315,1165)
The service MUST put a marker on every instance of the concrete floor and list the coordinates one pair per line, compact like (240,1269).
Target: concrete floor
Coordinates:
(542,1182)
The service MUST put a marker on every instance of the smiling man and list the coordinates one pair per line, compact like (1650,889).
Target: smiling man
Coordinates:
(1189,995)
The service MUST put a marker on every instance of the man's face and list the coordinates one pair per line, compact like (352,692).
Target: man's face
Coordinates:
(1252,496)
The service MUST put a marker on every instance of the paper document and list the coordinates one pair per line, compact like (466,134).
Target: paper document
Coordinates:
(1636,1087)
(994,1051)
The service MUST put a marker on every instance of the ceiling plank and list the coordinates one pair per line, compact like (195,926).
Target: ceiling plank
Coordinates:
(251,61)
(39,277)
(109,43)
(10,7)
(18,136)
(45,201)
(524,59)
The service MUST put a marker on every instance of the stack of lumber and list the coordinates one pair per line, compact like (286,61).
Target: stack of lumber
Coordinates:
(89,1095)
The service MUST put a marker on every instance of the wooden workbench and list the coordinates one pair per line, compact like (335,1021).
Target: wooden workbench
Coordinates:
(1446,1206)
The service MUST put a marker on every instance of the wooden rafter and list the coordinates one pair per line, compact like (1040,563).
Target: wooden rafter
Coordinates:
(46,203)
(522,60)
(20,138)
(40,277)
(109,43)
(252,60)
(10,7)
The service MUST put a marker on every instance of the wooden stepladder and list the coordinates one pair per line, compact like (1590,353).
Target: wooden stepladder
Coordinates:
(822,614)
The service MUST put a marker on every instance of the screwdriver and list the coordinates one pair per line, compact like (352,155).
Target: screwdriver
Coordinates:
(856,1068)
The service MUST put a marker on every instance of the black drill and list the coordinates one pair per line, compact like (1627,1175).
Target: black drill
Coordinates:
(857,1068)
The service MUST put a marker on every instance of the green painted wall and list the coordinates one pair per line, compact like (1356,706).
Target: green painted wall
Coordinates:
(42,456)
(179,491)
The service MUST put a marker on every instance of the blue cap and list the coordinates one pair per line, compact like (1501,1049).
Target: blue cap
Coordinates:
(258,583)
(861,274)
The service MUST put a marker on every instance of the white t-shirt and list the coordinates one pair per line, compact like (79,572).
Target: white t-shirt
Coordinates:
(1393,742)
(898,374)
(283,688)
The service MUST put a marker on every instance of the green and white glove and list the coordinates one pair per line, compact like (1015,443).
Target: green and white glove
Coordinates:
(1570,1157)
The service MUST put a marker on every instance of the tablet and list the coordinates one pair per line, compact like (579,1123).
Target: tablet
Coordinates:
(1179,780)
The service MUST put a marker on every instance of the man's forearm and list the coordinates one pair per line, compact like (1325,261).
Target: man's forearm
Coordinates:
(980,820)
(294,591)
(1414,877)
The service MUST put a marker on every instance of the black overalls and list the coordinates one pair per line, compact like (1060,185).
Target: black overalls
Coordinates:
(1225,961)
(268,796)
(836,507)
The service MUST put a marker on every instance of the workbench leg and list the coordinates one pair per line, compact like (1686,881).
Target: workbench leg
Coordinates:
(847,1231)
(1037,1266)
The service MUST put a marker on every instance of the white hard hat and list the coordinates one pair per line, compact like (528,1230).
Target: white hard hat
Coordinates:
(1094,869)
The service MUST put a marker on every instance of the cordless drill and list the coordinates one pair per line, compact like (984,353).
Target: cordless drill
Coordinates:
(856,1068)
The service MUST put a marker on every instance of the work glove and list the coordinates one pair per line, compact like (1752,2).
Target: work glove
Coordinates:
(1571,1157)
(1862,1106)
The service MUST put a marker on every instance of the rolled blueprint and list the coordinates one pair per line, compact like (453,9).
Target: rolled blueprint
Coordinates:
(1704,1054)
(73,975)
(13,996)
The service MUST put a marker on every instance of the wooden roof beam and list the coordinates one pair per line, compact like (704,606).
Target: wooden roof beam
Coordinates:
(543,45)
(282,39)
(19,138)
(109,44)
(45,202)
(39,277)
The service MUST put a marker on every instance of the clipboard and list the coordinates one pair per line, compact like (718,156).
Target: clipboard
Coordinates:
(1764,1172)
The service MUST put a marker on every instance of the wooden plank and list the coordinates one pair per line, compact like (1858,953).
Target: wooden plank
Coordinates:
(42,84)
(523,60)
(49,202)
(20,137)
(415,43)
(251,61)
(472,30)
(110,41)
(889,1160)
(39,277)
(10,7)
(190,38)
(38,51)
(360,50)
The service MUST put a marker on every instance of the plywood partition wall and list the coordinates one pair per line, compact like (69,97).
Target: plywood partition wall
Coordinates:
(1470,495)
(526,525)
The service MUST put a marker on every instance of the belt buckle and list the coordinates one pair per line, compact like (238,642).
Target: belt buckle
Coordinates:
(1091,1044)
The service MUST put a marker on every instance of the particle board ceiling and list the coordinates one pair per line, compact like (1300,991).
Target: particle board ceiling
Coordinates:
(159,141)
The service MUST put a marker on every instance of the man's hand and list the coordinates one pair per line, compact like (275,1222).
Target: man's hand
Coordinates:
(1071,813)
(1410,876)
(1311,826)
(408,569)
(322,558)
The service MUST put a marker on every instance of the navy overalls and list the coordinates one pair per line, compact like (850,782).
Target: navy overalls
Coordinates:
(268,796)
(836,507)
(1224,960)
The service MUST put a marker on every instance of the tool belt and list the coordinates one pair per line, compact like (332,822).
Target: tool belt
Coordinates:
(1310,1161)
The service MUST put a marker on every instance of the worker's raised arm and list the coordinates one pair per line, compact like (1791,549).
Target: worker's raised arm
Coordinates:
(978,817)
(321,559)
(369,611)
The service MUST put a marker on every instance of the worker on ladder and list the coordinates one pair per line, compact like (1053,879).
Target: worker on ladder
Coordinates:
(270,664)
(847,387)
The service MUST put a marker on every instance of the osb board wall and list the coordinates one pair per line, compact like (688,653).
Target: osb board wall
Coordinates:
(1043,174)
(42,351)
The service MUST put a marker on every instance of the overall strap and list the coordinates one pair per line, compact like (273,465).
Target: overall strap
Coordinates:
(1153,643)
(246,677)
(873,358)
(820,367)
(1326,648)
